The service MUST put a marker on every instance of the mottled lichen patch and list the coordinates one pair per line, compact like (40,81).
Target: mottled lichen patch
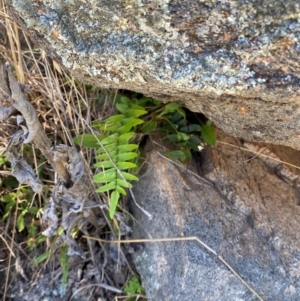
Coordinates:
(173,41)
(182,50)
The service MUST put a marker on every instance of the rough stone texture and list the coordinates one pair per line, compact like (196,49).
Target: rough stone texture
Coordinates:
(236,61)
(248,213)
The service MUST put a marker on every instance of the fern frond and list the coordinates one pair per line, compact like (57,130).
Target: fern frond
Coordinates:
(117,153)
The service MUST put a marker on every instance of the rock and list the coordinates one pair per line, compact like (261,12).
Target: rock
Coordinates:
(235,61)
(245,208)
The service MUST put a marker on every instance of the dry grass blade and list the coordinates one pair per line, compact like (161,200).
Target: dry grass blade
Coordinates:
(12,30)
(259,153)
(63,108)
(174,239)
(10,256)
(35,131)
(189,171)
(8,246)
(108,287)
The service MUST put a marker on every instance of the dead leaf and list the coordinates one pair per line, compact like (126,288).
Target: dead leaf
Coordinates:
(75,165)
(20,102)
(55,64)
(5,112)
(51,218)
(20,168)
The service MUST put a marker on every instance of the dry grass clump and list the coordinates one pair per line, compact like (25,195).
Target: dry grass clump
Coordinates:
(65,108)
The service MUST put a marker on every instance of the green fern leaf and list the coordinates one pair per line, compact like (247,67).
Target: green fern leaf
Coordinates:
(125,128)
(126,156)
(115,118)
(136,112)
(104,164)
(108,127)
(190,128)
(42,257)
(120,165)
(127,147)
(88,140)
(107,187)
(135,106)
(170,107)
(178,118)
(124,99)
(107,149)
(123,139)
(110,120)
(106,171)
(132,121)
(107,156)
(122,108)
(129,176)
(123,183)
(144,101)
(110,139)
(121,190)
(125,165)
(208,133)
(114,199)
(150,126)
(104,178)
(177,154)
(181,112)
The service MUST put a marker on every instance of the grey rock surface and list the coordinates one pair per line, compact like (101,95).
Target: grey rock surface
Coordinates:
(236,61)
(246,208)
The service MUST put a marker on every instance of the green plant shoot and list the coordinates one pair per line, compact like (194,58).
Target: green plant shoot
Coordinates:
(116,153)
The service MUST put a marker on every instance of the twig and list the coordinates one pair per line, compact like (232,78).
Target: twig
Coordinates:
(188,238)
(258,154)
(183,167)
(8,247)
(105,286)
(10,89)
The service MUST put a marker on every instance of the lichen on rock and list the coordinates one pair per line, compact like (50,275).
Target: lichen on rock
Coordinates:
(235,61)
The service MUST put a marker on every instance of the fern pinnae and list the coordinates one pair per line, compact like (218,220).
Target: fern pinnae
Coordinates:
(90,140)
(121,151)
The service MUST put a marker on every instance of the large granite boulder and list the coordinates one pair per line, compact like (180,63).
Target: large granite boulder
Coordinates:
(245,207)
(235,61)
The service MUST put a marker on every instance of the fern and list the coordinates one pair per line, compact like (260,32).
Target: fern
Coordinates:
(117,153)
